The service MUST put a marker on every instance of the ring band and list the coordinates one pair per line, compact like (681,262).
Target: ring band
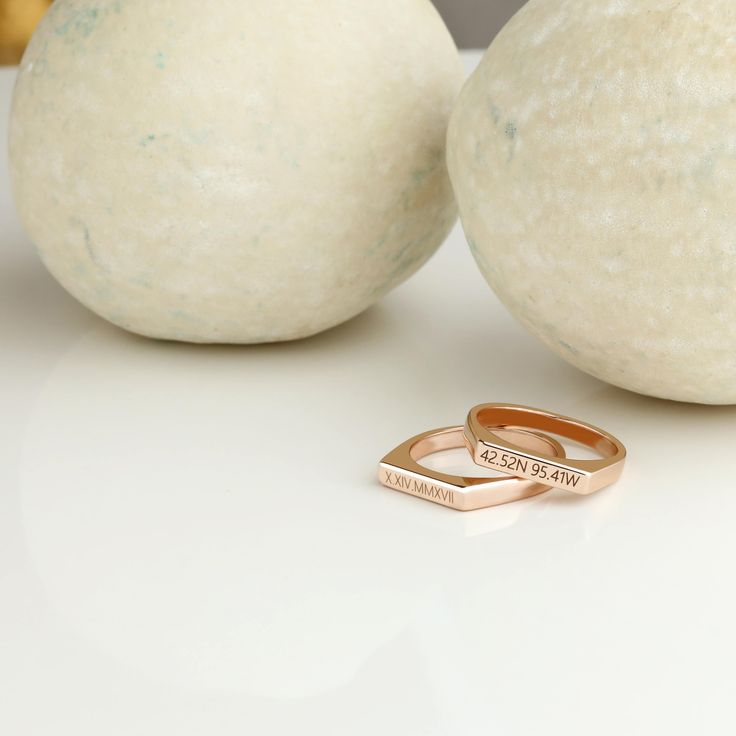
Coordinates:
(492,450)
(401,471)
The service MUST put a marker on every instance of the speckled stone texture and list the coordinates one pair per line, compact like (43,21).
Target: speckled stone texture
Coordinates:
(593,155)
(241,171)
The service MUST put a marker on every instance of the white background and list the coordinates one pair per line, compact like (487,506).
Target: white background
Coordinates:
(192,540)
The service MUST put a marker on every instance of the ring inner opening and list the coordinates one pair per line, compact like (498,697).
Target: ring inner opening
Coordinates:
(495,418)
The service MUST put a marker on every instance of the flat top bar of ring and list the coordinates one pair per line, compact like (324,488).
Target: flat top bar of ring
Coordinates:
(401,471)
(416,485)
(513,462)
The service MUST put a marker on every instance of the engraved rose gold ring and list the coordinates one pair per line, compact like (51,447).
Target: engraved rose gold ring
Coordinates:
(510,439)
(491,449)
(401,471)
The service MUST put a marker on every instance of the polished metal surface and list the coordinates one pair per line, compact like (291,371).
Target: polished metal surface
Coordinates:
(401,470)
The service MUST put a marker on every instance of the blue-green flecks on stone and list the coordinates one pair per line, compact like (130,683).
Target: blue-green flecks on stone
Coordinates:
(495,113)
(82,22)
(181,315)
(511,132)
(420,175)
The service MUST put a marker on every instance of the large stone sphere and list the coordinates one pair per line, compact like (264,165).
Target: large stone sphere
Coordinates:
(593,155)
(239,171)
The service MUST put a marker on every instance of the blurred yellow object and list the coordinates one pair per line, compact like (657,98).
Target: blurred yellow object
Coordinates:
(18,20)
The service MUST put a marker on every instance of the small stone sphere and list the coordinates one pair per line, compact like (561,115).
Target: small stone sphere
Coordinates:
(242,171)
(593,155)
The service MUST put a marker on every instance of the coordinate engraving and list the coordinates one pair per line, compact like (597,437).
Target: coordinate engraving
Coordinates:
(407,484)
(533,469)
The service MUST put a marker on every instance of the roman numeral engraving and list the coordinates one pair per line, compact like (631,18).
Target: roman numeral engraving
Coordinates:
(423,489)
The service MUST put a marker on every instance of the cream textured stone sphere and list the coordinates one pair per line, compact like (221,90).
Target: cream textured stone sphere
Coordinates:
(593,155)
(239,171)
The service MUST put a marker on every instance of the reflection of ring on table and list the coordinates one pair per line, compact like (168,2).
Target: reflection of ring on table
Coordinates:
(401,471)
(491,448)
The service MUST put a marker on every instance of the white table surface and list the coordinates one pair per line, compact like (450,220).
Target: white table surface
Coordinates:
(165,570)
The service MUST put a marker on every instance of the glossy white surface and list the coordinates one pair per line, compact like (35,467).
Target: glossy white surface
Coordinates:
(192,540)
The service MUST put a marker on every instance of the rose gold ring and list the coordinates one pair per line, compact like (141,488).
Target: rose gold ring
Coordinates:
(401,471)
(491,449)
